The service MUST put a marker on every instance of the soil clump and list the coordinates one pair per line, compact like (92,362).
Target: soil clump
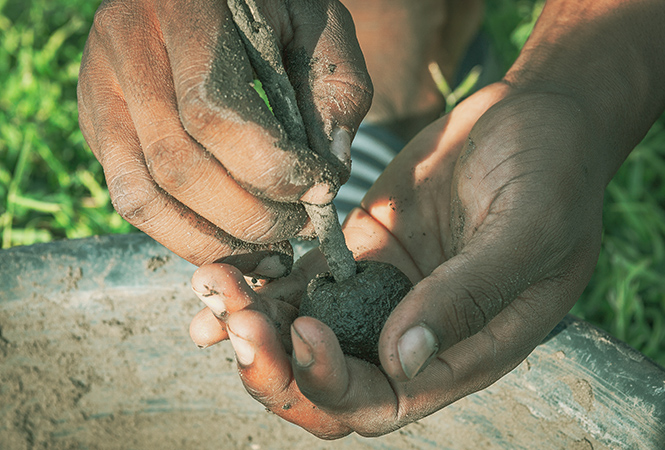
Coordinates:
(357,308)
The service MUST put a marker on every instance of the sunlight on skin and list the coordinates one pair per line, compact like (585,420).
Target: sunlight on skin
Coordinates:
(410,224)
(425,195)
(369,238)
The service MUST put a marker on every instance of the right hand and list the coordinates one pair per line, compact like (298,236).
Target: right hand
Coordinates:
(191,154)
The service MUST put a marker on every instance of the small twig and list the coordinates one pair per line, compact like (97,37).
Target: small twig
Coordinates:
(265,57)
(331,241)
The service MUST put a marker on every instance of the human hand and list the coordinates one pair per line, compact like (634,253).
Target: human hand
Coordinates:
(494,211)
(191,153)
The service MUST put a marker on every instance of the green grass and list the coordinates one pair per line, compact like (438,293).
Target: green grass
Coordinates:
(626,295)
(51,186)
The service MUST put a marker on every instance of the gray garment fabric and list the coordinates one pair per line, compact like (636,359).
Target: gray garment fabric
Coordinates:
(374,147)
(371,151)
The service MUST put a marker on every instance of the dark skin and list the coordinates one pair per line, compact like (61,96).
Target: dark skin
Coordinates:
(483,327)
(493,211)
(164,92)
(191,154)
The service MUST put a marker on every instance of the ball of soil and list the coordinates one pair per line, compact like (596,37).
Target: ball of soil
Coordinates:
(357,308)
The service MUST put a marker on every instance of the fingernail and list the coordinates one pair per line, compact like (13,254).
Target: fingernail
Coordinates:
(319,194)
(213,300)
(271,267)
(243,348)
(341,145)
(302,352)
(415,348)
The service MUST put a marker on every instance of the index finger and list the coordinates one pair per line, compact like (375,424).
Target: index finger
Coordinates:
(266,373)
(140,200)
(221,110)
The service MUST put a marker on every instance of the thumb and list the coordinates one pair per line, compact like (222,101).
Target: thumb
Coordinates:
(460,297)
(327,69)
(454,302)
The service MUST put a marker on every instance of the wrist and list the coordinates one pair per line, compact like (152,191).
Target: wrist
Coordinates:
(594,52)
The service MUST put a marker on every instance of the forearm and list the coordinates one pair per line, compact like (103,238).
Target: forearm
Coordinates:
(609,56)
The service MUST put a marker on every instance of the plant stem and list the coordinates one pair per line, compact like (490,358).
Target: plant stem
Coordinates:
(265,57)
(13,190)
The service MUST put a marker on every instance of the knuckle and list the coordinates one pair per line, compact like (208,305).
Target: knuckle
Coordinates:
(270,227)
(194,111)
(356,93)
(202,113)
(485,299)
(366,89)
(170,162)
(132,197)
(341,89)
(253,228)
(475,312)
(84,80)
(267,400)
(109,17)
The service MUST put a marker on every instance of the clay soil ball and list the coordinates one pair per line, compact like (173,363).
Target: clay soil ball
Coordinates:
(357,308)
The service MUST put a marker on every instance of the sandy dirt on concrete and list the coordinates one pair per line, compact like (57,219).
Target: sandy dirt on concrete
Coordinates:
(98,356)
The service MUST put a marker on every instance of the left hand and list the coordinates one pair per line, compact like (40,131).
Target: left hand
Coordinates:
(191,153)
(494,211)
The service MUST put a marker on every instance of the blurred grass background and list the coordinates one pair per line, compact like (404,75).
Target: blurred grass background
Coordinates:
(51,186)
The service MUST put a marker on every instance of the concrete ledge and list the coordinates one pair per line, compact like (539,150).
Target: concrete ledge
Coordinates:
(95,353)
